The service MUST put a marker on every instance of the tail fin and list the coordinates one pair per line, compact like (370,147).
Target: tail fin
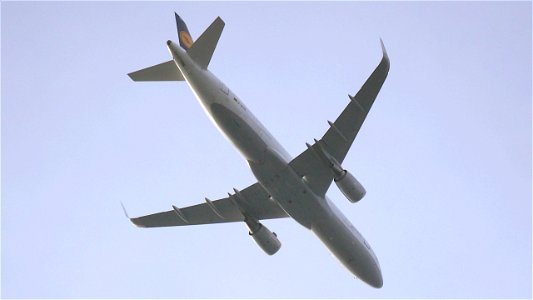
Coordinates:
(185,38)
(202,50)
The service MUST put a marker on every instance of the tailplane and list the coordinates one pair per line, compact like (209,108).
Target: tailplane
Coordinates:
(167,71)
(200,51)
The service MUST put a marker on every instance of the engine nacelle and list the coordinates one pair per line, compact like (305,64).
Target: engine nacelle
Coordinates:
(350,187)
(266,239)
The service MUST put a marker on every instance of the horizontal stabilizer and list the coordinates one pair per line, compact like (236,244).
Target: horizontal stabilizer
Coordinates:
(167,71)
(202,49)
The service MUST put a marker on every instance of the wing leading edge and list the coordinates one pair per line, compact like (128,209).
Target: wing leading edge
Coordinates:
(341,134)
(254,202)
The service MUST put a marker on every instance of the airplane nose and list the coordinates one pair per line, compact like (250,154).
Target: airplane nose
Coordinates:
(371,274)
(376,280)
(169,42)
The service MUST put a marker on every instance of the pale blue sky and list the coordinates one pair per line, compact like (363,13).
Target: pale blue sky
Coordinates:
(445,153)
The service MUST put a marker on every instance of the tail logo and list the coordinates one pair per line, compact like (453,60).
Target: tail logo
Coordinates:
(186,39)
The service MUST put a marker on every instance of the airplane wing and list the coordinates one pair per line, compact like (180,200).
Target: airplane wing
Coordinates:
(253,201)
(341,134)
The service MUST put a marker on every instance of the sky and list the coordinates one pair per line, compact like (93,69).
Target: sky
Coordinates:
(445,153)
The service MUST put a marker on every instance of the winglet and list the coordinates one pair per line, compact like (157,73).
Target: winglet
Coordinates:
(385,60)
(124,209)
(385,55)
(134,221)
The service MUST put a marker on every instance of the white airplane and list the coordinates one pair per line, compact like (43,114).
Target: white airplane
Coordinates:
(286,187)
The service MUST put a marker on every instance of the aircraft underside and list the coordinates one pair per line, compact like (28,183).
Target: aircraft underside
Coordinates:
(286,186)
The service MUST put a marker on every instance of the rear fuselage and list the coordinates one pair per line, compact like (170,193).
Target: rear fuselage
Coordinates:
(270,165)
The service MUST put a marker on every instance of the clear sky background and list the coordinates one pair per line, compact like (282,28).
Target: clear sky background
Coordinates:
(445,153)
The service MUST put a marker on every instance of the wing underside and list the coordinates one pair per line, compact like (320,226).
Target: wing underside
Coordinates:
(253,201)
(341,133)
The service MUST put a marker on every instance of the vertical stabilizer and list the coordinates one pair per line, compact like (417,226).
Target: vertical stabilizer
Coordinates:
(184,36)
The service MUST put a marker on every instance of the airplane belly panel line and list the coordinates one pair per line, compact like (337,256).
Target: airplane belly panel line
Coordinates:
(286,186)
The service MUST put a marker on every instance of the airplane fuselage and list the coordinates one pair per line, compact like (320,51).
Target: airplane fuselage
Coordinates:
(269,163)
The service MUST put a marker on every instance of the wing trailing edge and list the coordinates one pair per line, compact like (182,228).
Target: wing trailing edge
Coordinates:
(255,204)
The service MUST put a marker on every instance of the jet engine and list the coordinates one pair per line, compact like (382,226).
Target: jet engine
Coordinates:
(350,187)
(266,239)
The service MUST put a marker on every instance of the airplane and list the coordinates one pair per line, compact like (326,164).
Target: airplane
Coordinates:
(286,186)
